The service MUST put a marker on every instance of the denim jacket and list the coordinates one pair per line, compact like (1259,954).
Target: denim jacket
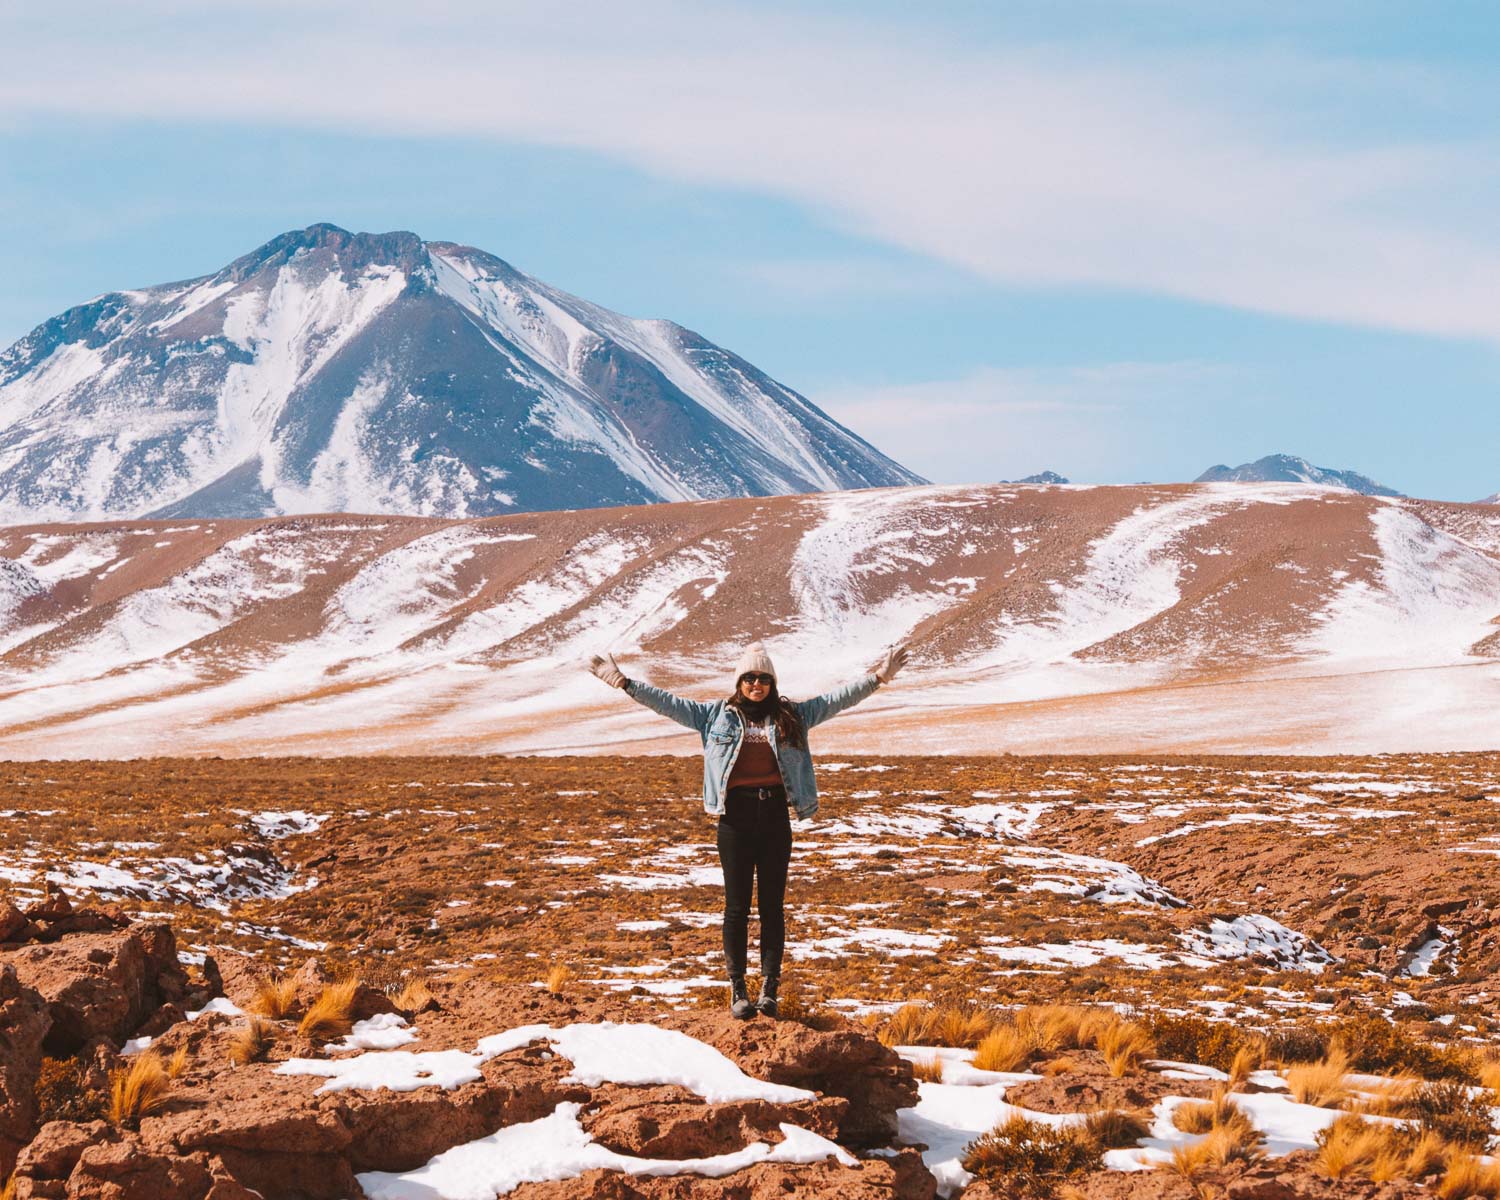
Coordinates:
(722,731)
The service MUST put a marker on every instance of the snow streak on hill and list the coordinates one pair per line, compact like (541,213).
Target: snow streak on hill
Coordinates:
(330,371)
(1223,617)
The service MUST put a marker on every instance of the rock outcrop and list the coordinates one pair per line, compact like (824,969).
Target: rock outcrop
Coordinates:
(229,1129)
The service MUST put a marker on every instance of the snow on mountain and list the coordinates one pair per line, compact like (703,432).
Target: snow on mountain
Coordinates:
(1288,468)
(1495,499)
(1040,477)
(1213,617)
(330,371)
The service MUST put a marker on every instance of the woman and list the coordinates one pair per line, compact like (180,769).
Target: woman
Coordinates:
(755,765)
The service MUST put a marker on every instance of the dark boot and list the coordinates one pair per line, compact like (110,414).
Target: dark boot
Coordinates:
(765,1003)
(739,998)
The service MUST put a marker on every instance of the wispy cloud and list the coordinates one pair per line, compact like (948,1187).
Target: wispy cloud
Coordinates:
(1088,422)
(1015,164)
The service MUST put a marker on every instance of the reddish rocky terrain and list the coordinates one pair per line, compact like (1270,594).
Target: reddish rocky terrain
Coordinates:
(1296,900)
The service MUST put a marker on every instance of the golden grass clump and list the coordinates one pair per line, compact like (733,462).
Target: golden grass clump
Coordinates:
(1230,1135)
(1006,1048)
(558,978)
(177,1064)
(1117,1128)
(331,1014)
(252,1042)
(1125,1045)
(1246,1060)
(1467,1177)
(1029,1159)
(928,1070)
(1353,1148)
(414,997)
(961,1025)
(8,1192)
(1064,1026)
(275,998)
(1324,1083)
(137,1090)
(910,1025)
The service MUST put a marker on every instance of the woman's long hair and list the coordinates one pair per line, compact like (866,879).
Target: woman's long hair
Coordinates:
(789,729)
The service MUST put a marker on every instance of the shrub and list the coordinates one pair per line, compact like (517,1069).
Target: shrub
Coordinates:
(137,1090)
(1029,1159)
(252,1042)
(1005,1049)
(62,1093)
(274,998)
(330,1015)
(1449,1110)
(1199,1040)
(1374,1044)
(1116,1128)
(1324,1083)
(1125,1045)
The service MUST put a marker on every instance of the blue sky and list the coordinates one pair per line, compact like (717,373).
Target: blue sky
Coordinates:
(1120,240)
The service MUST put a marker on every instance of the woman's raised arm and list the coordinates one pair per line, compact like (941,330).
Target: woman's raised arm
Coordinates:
(692,713)
(830,704)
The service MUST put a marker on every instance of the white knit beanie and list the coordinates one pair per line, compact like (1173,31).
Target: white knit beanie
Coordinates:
(753,658)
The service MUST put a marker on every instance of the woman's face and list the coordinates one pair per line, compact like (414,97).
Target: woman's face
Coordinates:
(755,686)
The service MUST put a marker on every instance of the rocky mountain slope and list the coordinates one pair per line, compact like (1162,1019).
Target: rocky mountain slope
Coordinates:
(378,373)
(1288,468)
(1220,617)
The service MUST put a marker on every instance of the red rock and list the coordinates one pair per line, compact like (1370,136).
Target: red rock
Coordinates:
(667,1122)
(12,921)
(55,1150)
(52,907)
(23,1028)
(836,1062)
(124,1170)
(101,983)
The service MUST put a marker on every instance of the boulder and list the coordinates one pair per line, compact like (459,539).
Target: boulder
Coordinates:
(13,922)
(125,1170)
(667,1122)
(101,984)
(23,1029)
(838,1061)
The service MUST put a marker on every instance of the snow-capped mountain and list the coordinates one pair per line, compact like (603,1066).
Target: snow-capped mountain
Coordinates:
(1495,499)
(331,371)
(1288,468)
(1040,477)
(1179,618)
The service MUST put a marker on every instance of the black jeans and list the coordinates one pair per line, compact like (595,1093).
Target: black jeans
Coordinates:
(755,838)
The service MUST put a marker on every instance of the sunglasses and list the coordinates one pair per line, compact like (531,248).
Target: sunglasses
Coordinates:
(757,677)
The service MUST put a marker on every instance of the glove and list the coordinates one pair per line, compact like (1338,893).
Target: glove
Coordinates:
(895,658)
(605,667)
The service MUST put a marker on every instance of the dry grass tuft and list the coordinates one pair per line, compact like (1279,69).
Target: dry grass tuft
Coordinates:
(558,978)
(252,1042)
(1230,1135)
(1246,1060)
(929,1070)
(1028,1159)
(414,997)
(959,1025)
(909,1025)
(138,1090)
(1059,1066)
(1125,1045)
(1194,1117)
(1117,1128)
(1467,1177)
(1324,1083)
(178,1063)
(1353,1148)
(8,1192)
(1488,1072)
(1007,1048)
(274,998)
(331,1014)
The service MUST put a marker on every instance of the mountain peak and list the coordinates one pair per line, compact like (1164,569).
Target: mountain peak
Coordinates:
(1291,468)
(374,372)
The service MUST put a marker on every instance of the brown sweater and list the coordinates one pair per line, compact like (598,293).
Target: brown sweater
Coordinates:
(756,764)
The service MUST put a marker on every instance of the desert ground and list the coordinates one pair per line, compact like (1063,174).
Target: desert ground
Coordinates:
(1292,908)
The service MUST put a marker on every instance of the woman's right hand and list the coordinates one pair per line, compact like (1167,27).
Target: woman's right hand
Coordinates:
(606,668)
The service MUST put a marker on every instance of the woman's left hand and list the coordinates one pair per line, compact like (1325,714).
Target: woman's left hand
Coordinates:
(895,658)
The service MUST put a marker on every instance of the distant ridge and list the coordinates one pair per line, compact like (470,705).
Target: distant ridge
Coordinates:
(379,373)
(1288,468)
(1040,477)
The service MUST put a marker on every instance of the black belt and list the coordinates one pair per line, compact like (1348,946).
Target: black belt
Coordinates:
(775,792)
